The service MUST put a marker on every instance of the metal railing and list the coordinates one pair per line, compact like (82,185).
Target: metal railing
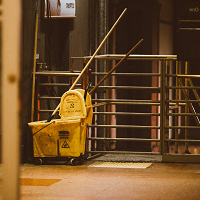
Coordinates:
(107,124)
(171,100)
(184,145)
(163,128)
(43,111)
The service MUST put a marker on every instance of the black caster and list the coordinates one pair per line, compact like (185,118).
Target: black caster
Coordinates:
(38,161)
(74,161)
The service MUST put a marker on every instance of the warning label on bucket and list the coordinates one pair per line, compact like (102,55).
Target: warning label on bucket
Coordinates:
(64,134)
(65,145)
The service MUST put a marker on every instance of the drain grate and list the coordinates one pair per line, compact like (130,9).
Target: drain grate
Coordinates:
(121,165)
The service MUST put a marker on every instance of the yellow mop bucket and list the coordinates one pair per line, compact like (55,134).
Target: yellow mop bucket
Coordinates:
(64,137)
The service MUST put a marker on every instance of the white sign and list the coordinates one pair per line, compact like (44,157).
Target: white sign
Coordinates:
(60,8)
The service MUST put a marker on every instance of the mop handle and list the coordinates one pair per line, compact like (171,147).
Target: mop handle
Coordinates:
(115,66)
(95,53)
(34,66)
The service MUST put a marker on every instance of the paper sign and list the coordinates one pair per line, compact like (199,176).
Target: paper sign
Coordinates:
(60,8)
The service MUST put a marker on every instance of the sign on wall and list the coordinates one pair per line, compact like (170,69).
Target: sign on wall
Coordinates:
(60,8)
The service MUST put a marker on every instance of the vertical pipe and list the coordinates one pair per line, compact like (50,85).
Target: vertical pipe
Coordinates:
(11,31)
(37,81)
(108,107)
(177,109)
(162,108)
(155,51)
(186,108)
(102,29)
(113,78)
(167,107)
(154,109)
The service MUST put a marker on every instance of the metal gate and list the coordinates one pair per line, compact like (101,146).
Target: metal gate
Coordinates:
(158,116)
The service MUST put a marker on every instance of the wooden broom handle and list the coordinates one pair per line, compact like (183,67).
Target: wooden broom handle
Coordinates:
(34,66)
(115,66)
(95,53)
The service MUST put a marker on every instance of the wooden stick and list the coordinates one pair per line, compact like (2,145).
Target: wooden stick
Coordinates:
(95,53)
(88,63)
(98,104)
(106,76)
(34,66)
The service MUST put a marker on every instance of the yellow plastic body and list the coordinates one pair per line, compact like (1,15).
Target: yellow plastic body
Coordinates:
(59,139)
(88,105)
(64,137)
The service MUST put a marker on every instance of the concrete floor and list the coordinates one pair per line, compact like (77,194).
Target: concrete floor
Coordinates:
(162,181)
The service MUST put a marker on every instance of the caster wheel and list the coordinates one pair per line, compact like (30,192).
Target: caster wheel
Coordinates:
(38,161)
(73,161)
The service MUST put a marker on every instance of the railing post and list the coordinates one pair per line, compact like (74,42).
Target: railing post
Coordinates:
(167,107)
(162,108)
(177,109)
(186,108)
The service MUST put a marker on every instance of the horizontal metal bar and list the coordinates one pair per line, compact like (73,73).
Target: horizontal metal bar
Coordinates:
(46,111)
(49,98)
(183,114)
(189,29)
(112,113)
(174,104)
(142,56)
(183,75)
(126,113)
(181,140)
(127,74)
(111,100)
(188,20)
(139,114)
(131,56)
(54,84)
(182,127)
(124,152)
(125,126)
(132,102)
(125,139)
(124,100)
(136,103)
(56,73)
(184,87)
(130,87)
(182,101)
